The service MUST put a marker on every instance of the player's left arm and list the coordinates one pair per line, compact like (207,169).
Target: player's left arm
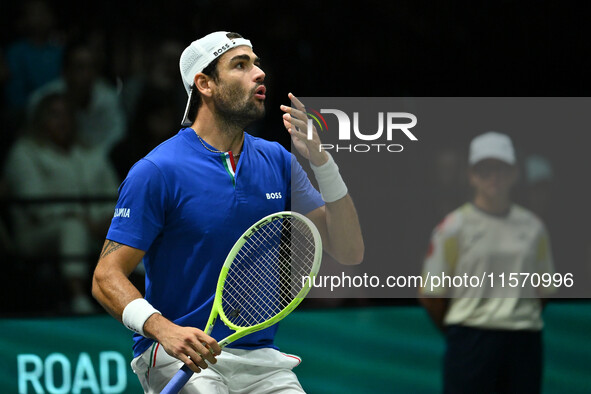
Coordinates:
(337,220)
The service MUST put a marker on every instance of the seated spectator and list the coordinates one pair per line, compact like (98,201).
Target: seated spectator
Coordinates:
(99,115)
(49,162)
(30,60)
(35,57)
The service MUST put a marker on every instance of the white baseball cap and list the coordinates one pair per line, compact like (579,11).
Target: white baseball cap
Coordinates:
(492,145)
(197,56)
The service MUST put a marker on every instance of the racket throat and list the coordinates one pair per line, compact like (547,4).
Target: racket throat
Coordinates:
(210,324)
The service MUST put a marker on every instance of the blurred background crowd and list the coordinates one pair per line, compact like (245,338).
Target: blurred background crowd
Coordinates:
(90,88)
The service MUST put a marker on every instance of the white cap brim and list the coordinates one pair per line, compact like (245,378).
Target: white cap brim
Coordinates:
(186,121)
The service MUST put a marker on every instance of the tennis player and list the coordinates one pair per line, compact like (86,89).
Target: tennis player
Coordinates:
(493,334)
(182,207)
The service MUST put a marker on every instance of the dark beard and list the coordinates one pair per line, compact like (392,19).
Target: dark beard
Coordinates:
(232,111)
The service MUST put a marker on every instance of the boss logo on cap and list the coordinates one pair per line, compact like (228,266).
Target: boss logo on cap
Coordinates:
(221,50)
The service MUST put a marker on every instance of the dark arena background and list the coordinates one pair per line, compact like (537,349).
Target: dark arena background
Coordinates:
(313,49)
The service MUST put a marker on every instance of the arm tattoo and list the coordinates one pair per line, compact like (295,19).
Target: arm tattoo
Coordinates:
(109,247)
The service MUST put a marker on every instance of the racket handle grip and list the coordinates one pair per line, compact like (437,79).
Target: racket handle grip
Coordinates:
(178,381)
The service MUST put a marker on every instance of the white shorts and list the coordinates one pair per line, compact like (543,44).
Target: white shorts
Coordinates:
(237,371)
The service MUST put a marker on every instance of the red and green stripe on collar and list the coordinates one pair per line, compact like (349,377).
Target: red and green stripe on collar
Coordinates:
(229,165)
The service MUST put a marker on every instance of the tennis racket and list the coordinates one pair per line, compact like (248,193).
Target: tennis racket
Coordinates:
(266,275)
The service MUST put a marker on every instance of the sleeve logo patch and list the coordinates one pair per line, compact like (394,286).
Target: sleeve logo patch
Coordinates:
(121,213)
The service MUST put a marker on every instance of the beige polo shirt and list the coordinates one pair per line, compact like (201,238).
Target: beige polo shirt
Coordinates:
(470,243)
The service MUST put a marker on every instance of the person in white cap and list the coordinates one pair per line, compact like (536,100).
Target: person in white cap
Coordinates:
(493,330)
(182,207)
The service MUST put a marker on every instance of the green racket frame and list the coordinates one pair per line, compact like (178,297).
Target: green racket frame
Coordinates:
(217,310)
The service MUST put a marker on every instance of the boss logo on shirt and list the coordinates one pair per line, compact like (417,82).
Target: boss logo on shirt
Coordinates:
(121,213)
(274,196)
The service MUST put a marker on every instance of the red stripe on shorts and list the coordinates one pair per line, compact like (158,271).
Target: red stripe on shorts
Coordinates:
(297,358)
(155,351)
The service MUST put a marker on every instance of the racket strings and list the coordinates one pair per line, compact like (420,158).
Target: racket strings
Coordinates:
(268,272)
(263,278)
(262,304)
(284,256)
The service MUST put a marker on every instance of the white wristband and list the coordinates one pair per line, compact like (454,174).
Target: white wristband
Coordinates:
(136,313)
(331,184)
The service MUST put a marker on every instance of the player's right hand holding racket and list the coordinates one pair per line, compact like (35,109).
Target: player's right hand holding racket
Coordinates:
(188,344)
(266,275)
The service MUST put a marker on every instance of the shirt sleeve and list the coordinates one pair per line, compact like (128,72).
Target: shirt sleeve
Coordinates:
(441,257)
(25,178)
(141,207)
(303,196)
(23,172)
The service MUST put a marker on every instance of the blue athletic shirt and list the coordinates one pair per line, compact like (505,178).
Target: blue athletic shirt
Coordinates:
(185,207)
